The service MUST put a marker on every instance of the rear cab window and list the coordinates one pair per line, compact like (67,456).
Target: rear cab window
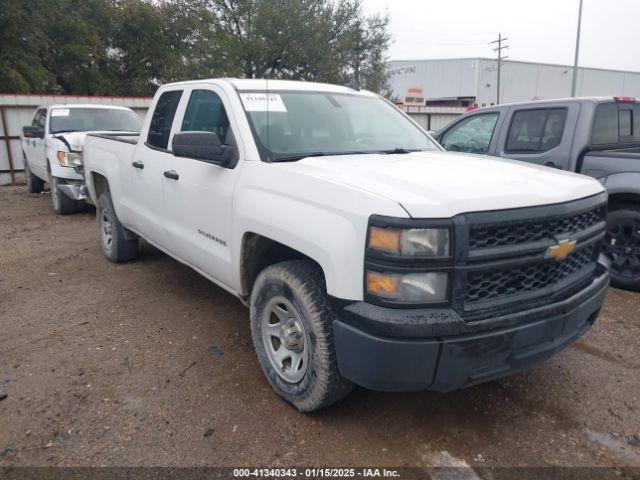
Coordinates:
(536,130)
(616,124)
(162,119)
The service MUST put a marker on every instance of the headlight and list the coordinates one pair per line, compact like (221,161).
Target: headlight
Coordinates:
(424,287)
(411,242)
(69,159)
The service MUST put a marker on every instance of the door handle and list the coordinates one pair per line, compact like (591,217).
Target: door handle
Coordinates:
(172,174)
(138,164)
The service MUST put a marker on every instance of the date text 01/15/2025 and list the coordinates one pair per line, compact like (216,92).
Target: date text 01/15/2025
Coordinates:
(316,473)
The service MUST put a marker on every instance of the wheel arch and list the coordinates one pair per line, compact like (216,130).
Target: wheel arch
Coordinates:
(623,189)
(258,252)
(623,199)
(99,185)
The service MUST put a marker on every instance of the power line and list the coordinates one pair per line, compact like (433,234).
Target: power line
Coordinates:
(501,57)
(440,44)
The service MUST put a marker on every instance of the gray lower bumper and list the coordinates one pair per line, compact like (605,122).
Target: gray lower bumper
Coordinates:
(446,363)
(74,191)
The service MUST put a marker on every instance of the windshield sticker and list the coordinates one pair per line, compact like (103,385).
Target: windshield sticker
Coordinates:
(262,102)
(60,112)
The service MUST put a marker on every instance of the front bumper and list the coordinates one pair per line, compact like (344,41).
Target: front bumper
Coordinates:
(452,353)
(74,190)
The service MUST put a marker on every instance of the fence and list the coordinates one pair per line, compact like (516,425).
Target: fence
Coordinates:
(16,110)
(433,118)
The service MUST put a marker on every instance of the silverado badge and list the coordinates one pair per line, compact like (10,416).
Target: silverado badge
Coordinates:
(561,251)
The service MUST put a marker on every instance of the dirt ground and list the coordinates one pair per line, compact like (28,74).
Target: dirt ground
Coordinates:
(150,364)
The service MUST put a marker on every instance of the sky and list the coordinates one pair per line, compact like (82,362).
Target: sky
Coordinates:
(538,30)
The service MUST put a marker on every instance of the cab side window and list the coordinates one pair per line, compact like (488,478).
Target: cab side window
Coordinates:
(39,118)
(205,113)
(536,131)
(160,126)
(472,135)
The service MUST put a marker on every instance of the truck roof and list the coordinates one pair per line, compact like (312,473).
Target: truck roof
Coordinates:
(84,105)
(557,100)
(264,84)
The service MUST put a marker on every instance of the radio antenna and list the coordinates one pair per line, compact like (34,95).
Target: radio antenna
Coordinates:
(268,126)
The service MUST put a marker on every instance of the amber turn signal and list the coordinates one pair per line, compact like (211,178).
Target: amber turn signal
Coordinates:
(382,285)
(384,239)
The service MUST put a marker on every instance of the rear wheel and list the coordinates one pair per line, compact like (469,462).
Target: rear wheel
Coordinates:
(34,184)
(291,326)
(622,246)
(118,245)
(62,204)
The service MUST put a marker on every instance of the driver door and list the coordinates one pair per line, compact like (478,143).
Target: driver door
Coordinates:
(35,151)
(198,195)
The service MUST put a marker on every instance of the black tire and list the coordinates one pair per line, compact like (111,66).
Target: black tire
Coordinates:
(123,245)
(302,283)
(62,204)
(622,247)
(34,184)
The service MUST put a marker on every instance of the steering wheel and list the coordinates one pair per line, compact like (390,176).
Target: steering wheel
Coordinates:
(472,145)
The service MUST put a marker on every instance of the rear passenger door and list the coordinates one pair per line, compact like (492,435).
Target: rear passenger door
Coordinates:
(540,135)
(143,176)
(198,196)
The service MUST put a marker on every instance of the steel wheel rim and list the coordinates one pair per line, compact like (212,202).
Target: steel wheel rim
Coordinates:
(106,230)
(285,339)
(622,246)
(54,193)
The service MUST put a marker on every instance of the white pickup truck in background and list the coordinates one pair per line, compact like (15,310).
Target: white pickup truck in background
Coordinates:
(52,147)
(366,253)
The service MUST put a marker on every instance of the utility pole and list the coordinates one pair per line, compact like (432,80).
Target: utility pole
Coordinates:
(574,81)
(501,57)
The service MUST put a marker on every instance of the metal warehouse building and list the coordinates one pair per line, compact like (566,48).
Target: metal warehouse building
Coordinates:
(473,81)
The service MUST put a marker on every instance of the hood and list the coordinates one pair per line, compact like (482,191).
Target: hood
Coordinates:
(75,140)
(443,184)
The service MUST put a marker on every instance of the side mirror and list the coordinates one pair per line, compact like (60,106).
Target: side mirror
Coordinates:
(204,146)
(32,132)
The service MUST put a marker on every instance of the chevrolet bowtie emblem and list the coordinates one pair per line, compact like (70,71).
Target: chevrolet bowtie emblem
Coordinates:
(562,250)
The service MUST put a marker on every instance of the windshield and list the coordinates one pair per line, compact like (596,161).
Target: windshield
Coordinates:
(93,119)
(299,124)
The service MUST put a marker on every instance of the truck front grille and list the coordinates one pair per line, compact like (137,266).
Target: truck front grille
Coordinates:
(506,268)
(516,232)
(491,285)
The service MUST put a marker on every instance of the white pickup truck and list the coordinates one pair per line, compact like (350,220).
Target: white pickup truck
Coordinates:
(52,147)
(366,254)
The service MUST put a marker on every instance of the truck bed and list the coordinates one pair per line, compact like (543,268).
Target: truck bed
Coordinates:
(105,154)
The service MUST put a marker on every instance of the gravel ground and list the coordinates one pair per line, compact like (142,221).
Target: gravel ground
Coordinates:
(150,364)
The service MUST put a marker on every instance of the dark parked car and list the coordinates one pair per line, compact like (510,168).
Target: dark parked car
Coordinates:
(599,137)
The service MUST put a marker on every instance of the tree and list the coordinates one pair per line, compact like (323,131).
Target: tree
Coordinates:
(129,47)
(314,40)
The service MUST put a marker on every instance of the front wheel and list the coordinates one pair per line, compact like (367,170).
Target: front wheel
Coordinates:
(291,326)
(622,246)
(62,204)
(34,184)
